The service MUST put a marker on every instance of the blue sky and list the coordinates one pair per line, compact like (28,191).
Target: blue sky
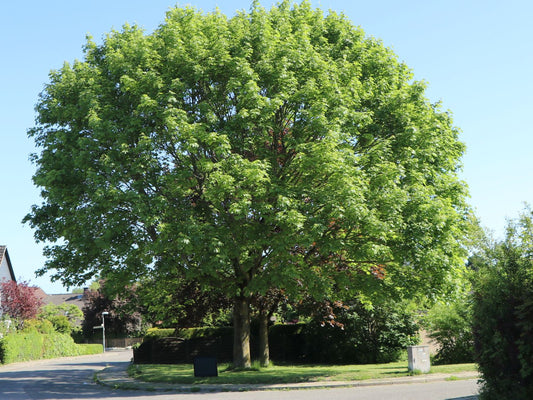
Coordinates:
(476,57)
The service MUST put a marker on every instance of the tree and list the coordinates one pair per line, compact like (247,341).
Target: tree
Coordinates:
(503,313)
(124,318)
(274,149)
(19,301)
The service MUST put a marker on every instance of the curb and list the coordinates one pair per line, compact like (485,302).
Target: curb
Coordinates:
(116,377)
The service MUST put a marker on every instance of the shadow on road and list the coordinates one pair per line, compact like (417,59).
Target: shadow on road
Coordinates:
(59,379)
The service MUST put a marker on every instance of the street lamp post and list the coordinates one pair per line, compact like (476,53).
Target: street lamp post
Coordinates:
(103,328)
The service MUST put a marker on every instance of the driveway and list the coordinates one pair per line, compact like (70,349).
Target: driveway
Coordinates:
(72,379)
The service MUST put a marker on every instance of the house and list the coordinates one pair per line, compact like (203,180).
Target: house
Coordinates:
(6,269)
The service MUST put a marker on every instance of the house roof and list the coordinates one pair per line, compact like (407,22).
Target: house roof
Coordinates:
(5,255)
(58,299)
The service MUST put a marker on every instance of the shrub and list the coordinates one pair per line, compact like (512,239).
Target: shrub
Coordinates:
(21,346)
(450,325)
(503,314)
(362,335)
(39,325)
(61,324)
(64,317)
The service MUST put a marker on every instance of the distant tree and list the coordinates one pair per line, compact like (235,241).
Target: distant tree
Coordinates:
(19,301)
(274,149)
(124,319)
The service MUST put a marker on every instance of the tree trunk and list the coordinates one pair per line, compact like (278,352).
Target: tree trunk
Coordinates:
(264,351)
(241,336)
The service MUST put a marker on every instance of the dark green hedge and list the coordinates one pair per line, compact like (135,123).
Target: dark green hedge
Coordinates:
(204,332)
(188,333)
(369,336)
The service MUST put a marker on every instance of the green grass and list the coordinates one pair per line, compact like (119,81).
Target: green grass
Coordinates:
(184,373)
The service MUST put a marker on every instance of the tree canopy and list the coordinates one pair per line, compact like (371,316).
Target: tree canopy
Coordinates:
(278,148)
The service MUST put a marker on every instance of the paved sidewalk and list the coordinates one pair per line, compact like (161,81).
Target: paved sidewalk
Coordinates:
(116,377)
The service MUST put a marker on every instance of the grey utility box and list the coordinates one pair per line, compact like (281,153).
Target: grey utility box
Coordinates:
(418,358)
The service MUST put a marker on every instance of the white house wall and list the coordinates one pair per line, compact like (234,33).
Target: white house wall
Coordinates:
(4,270)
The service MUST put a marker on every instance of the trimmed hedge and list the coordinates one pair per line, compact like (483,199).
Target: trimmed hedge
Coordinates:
(160,333)
(298,343)
(169,346)
(33,345)
(188,333)
(204,332)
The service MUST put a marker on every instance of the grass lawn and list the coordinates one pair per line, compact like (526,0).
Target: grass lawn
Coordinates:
(184,373)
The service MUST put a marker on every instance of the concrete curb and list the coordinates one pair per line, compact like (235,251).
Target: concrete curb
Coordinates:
(116,377)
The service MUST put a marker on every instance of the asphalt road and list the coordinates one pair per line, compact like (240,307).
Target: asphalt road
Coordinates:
(71,379)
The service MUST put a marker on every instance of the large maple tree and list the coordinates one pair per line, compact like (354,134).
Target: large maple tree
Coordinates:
(278,148)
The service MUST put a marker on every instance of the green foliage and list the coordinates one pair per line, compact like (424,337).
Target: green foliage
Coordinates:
(171,301)
(193,333)
(33,344)
(450,325)
(39,325)
(159,332)
(71,311)
(63,317)
(188,333)
(61,324)
(503,313)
